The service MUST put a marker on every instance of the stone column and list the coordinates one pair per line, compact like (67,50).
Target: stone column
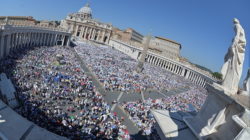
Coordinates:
(1,46)
(178,70)
(93,34)
(56,36)
(165,64)
(45,39)
(199,80)
(187,74)
(157,62)
(36,39)
(149,57)
(174,68)
(20,40)
(191,76)
(194,77)
(63,37)
(76,30)
(16,41)
(103,35)
(153,60)
(13,41)
(98,36)
(30,39)
(170,66)
(33,39)
(51,41)
(40,39)
(108,37)
(204,83)
(161,63)
(82,31)
(8,45)
(85,33)
(25,39)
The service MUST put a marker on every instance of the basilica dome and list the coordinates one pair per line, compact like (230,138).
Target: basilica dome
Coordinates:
(86,9)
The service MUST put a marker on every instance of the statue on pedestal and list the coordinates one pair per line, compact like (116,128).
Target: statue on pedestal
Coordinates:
(232,68)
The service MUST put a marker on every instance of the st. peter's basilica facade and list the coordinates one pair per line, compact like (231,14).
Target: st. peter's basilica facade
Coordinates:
(84,27)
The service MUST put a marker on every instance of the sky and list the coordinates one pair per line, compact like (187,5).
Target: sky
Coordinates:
(203,27)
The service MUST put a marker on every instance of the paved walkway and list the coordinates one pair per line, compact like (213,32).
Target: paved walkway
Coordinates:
(133,130)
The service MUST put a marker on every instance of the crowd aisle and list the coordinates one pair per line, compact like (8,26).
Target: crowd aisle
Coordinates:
(139,111)
(55,94)
(116,71)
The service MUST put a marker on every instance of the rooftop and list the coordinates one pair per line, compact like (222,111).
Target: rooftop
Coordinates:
(162,38)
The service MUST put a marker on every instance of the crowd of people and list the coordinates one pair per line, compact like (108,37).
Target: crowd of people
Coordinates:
(116,71)
(139,111)
(56,94)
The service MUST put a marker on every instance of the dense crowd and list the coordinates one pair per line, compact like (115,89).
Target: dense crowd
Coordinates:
(116,71)
(139,111)
(56,94)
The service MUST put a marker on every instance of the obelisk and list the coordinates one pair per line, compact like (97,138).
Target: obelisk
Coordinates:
(139,68)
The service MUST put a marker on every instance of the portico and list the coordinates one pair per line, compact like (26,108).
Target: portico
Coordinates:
(13,38)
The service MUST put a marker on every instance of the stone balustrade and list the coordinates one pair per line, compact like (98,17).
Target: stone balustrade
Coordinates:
(13,37)
(178,68)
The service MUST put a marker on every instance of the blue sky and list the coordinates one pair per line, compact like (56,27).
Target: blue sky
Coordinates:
(203,27)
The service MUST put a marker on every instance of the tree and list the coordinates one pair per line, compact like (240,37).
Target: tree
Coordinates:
(217,75)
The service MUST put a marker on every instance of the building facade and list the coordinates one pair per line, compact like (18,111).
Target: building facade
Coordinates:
(165,47)
(82,26)
(48,24)
(18,20)
(128,35)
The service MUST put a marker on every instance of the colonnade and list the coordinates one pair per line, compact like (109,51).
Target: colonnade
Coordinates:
(92,33)
(16,37)
(178,69)
(175,67)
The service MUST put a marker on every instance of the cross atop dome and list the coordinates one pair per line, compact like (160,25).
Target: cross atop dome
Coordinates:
(87,4)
